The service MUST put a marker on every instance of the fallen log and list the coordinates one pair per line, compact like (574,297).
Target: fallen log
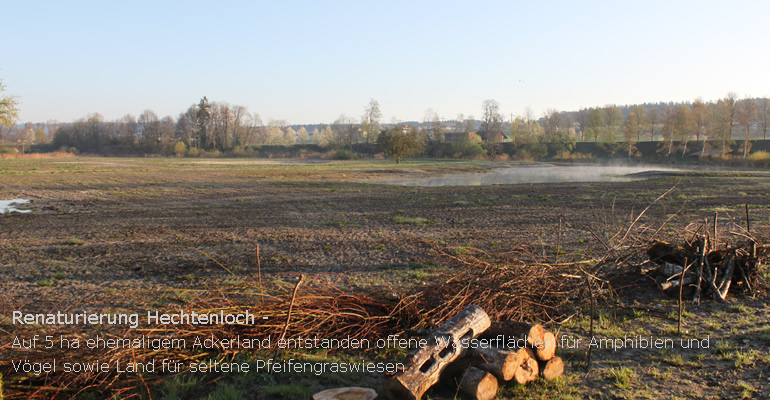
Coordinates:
(501,363)
(443,347)
(532,333)
(478,383)
(552,368)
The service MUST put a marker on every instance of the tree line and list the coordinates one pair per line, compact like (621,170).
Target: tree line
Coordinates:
(212,128)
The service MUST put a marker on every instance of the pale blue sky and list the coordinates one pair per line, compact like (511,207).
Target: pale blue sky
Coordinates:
(310,61)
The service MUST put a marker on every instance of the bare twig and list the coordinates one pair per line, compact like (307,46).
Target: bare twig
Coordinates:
(644,211)
(681,285)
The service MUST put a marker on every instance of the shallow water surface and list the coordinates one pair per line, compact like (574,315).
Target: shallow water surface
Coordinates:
(540,173)
(9,206)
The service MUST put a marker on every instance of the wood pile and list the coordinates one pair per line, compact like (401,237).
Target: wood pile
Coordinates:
(477,355)
(702,269)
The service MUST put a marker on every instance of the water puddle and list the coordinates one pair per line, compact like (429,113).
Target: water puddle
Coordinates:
(542,173)
(9,206)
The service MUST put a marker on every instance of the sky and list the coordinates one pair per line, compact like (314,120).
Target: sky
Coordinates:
(311,61)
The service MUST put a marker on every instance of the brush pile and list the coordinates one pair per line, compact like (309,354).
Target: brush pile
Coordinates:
(704,267)
(476,355)
(297,305)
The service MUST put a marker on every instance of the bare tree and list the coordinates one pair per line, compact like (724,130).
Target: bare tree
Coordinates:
(728,111)
(149,126)
(370,121)
(166,130)
(553,122)
(745,111)
(582,122)
(683,125)
(435,128)
(186,125)
(255,129)
(640,114)
(631,132)
(492,121)
(595,122)
(346,131)
(239,127)
(668,128)
(763,111)
(700,113)
(302,136)
(653,118)
(612,120)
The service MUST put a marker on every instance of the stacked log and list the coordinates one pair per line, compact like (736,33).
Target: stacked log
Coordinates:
(484,360)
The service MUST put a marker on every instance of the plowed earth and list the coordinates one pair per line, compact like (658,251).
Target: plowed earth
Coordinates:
(101,226)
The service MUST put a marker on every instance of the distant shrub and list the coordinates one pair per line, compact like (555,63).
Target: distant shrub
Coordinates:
(342,154)
(566,155)
(211,154)
(532,151)
(759,156)
(239,151)
(193,152)
(180,148)
(467,150)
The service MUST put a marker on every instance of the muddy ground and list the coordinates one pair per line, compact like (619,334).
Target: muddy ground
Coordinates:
(100,226)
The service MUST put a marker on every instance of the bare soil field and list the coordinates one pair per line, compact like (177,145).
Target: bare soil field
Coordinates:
(127,234)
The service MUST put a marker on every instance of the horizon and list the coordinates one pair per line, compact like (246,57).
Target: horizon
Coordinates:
(309,63)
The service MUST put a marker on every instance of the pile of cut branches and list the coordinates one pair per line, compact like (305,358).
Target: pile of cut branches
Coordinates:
(706,265)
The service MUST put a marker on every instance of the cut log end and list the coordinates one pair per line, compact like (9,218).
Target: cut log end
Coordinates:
(479,384)
(547,349)
(553,368)
(348,393)
(528,370)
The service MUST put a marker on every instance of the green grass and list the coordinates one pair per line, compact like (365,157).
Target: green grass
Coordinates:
(180,387)
(744,358)
(723,347)
(565,387)
(741,308)
(747,391)
(76,241)
(621,377)
(414,221)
